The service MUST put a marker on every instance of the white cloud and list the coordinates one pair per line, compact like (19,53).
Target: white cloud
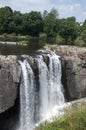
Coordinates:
(82,16)
(69,9)
(64,8)
(72,10)
(28,5)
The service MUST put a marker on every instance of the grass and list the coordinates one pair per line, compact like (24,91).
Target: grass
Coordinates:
(74,119)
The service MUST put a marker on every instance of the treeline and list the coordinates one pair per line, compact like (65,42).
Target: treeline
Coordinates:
(47,24)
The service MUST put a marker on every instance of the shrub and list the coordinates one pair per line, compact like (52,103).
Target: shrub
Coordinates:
(5,36)
(79,42)
(59,40)
(27,37)
(24,42)
(42,38)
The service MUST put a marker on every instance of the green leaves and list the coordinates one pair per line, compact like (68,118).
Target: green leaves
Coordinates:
(6,15)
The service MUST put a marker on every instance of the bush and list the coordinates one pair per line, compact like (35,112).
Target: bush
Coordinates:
(42,38)
(5,36)
(79,42)
(24,42)
(59,40)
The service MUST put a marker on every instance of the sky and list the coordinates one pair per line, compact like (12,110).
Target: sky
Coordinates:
(66,8)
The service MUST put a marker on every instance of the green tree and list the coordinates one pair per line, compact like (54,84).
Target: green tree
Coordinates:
(17,24)
(83,31)
(33,23)
(42,38)
(6,15)
(68,29)
(79,42)
(49,22)
(59,40)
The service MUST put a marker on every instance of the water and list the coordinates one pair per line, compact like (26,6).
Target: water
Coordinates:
(55,86)
(50,91)
(44,87)
(26,97)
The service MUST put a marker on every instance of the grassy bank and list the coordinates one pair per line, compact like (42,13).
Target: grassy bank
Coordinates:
(74,119)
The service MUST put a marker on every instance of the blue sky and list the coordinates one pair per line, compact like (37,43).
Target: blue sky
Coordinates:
(66,8)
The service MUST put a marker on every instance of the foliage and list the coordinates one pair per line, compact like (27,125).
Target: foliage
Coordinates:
(79,42)
(59,40)
(74,119)
(68,29)
(24,42)
(49,22)
(83,31)
(6,15)
(42,38)
(34,23)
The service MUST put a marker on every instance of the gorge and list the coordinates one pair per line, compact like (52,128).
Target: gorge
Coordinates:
(28,81)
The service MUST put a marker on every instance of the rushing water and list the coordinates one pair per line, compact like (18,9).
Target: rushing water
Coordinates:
(50,90)
(26,97)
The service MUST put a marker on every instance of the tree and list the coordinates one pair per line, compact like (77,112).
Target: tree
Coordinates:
(59,40)
(83,31)
(68,29)
(42,38)
(49,22)
(6,15)
(17,24)
(45,14)
(33,23)
(79,42)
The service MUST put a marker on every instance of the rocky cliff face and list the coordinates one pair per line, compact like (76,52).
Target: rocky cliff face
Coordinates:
(73,73)
(74,77)
(74,70)
(9,80)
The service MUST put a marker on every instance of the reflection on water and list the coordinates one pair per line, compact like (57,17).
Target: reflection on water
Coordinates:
(9,49)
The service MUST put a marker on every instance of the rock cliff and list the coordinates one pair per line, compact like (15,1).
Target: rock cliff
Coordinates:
(74,70)
(9,80)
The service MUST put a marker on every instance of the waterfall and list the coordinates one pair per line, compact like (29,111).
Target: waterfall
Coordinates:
(50,84)
(55,86)
(26,97)
(50,90)
(44,86)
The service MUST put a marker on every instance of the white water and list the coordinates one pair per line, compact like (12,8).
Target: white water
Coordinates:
(26,97)
(50,91)
(44,87)
(55,86)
